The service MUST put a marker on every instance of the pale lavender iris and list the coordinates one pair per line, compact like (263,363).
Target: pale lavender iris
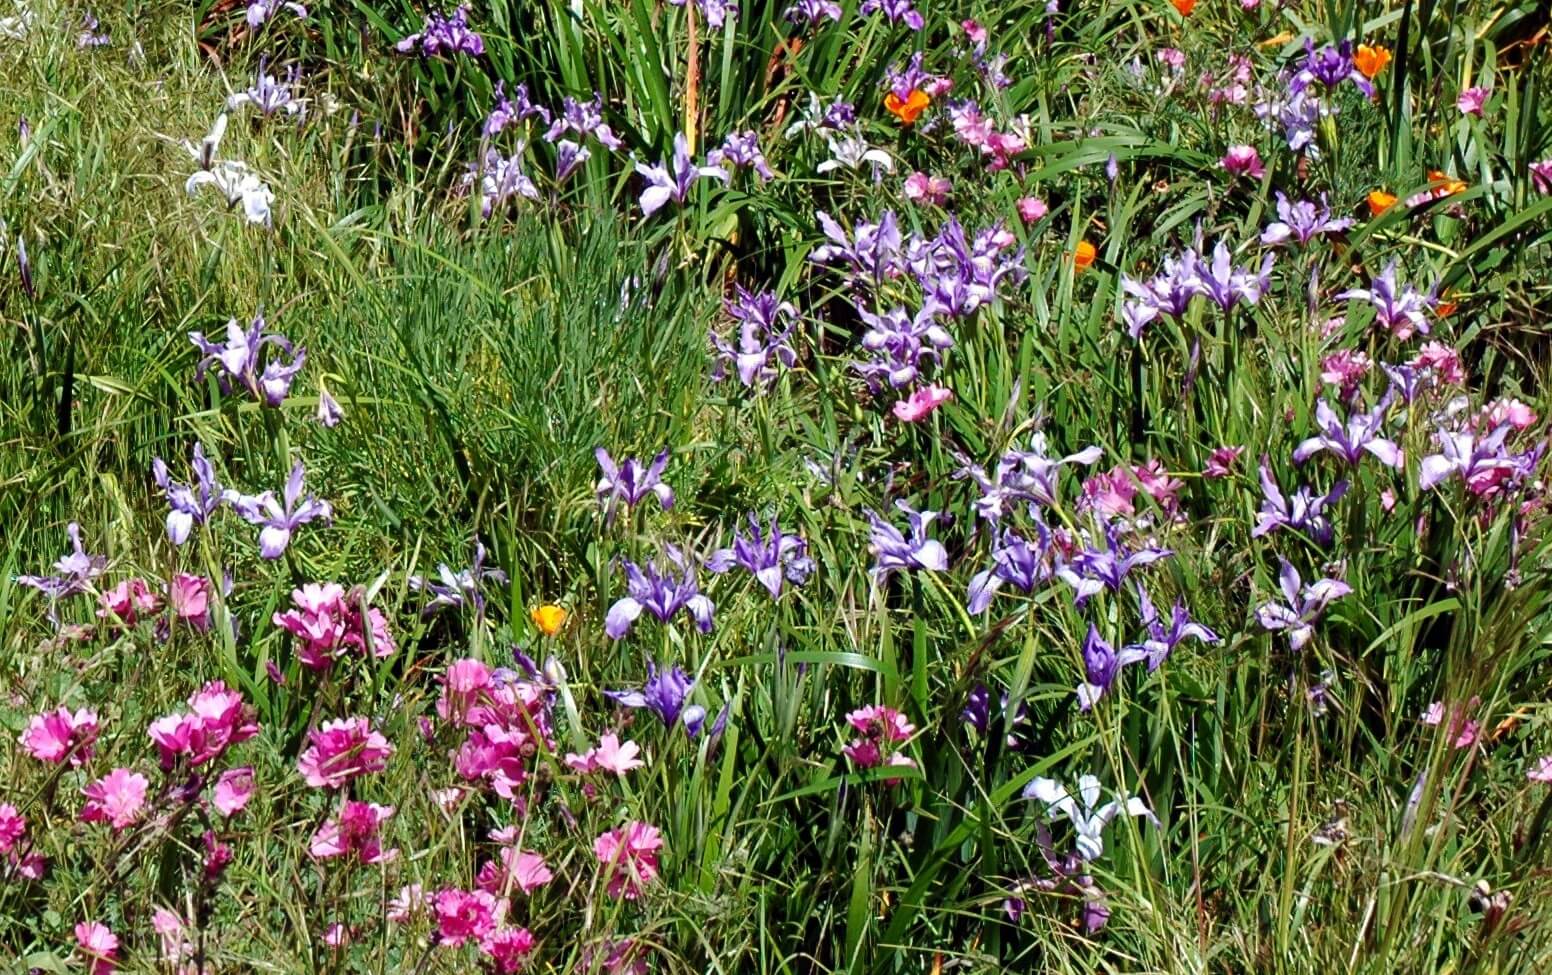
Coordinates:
(771,557)
(269,95)
(90,35)
(716,12)
(1163,638)
(1302,221)
(1023,475)
(662,589)
(958,274)
(1303,511)
(1397,307)
(509,111)
(895,11)
(262,10)
(1296,113)
(281,517)
(1102,664)
(872,251)
(1228,285)
(765,327)
(1360,434)
(452,589)
(631,482)
(894,550)
(899,342)
(191,504)
(1330,65)
(237,361)
(501,178)
(741,150)
(568,156)
(1166,294)
(671,180)
(442,34)
(1015,562)
(73,571)
(1095,569)
(1304,605)
(585,119)
(1482,461)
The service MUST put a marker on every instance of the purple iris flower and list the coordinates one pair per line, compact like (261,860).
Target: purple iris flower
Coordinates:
(1095,569)
(268,95)
(1406,380)
(237,361)
(1101,666)
(1163,638)
(716,12)
(1296,113)
(444,34)
(191,504)
(1330,65)
(1228,285)
(90,36)
(895,11)
(1303,512)
(899,342)
(739,150)
(1483,462)
(765,327)
(671,180)
(509,111)
(568,156)
(812,11)
(873,251)
(893,550)
(770,558)
(457,588)
(261,10)
(977,713)
(1303,607)
(1022,475)
(500,178)
(73,571)
(1302,221)
(1167,293)
(662,588)
(1398,308)
(631,482)
(585,119)
(279,517)
(959,275)
(1351,440)
(664,694)
(1014,562)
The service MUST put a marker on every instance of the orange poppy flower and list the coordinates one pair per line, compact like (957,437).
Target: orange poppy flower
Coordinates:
(1379,201)
(1370,61)
(549,618)
(1083,257)
(1443,185)
(909,108)
(1184,7)
(1446,306)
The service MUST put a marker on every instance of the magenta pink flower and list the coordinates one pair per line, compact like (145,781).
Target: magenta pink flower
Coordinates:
(128,602)
(1109,493)
(1159,485)
(1345,369)
(342,750)
(608,756)
(1243,161)
(1463,730)
(882,728)
(1441,360)
(218,855)
(1471,101)
(463,684)
(54,736)
(13,826)
(1031,208)
(921,403)
(354,832)
(99,945)
(327,623)
(117,798)
(1221,462)
(465,915)
(921,188)
(217,719)
(233,790)
(630,855)
(508,949)
(1542,770)
(189,596)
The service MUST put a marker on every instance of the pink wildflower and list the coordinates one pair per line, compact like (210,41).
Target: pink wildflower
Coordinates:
(170,927)
(340,751)
(217,719)
(100,946)
(921,403)
(1345,369)
(233,790)
(117,798)
(1221,462)
(55,735)
(974,32)
(189,596)
(1463,731)
(1243,161)
(881,723)
(1442,361)
(336,935)
(1542,770)
(13,826)
(1511,411)
(513,868)
(630,854)
(465,915)
(354,831)
(1160,486)
(327,623)
(128,602)
(1541,175)
(1171,57)
(218,855)
(1109,493)
(1031,209)
(921,188)
(1471,101)
(609,756)
(508,949)
(461,687)
(408,903)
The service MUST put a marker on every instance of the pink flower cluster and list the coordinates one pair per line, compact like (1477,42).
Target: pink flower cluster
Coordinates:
(506,722)
(512,868)
(117,799)
(1463,730)
(629,855)
(54,736)
(353,832)
(99,945)
(13,828)
(882,730)
(327,624)
(342,750)
(975,130)
(1111,493)
(128,602)
(217,719)
(465,916)
(189,597)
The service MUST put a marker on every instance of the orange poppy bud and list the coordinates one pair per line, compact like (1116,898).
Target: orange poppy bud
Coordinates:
(1184,7)
(1443,185)
(1370,61)
(909,108)
(549,618)
(1083,257)
(1379,201)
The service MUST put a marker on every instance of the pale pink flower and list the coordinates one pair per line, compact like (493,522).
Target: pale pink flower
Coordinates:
(508,949)
(1109,493)
(100,946)
(1463,730)
(410,902)
(55,735)
(1345,369)
(1471,101)
(1159,485)
(465,915)
(1511,411)
(921,403)
(340,751)
(1031,209)
(117,798)
(336,935)
(462,686)
(32,866)
(513,868)
(13,826)
(354,832)
(1171,57)
(169,927)
(448,800)
(128,602)
(1221,462)
(1387,500)
(630,855)
(921,188)
(1542,770)
(880,722)
(609,756)
(974,32)
(233,790)
(327,623)
(1243,161)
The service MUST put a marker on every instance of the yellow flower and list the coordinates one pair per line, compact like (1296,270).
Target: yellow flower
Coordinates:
(1370,61)
(549,618)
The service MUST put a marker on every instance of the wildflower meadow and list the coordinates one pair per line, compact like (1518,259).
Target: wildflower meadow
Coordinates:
(776,486)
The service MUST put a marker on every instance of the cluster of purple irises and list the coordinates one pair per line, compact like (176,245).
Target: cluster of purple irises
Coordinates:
(278,518)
